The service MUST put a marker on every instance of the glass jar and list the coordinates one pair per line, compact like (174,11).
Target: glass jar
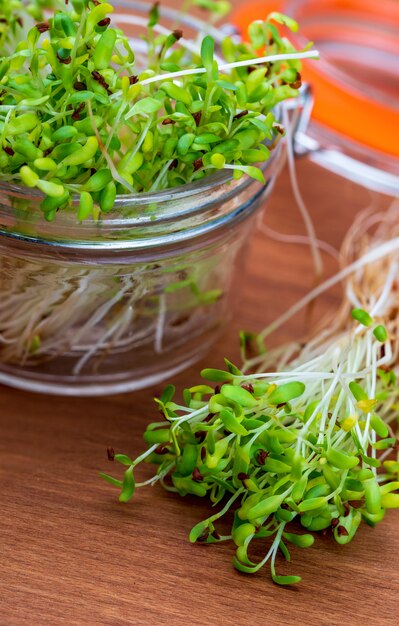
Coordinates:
(347,130)
(116,305)
(111,306)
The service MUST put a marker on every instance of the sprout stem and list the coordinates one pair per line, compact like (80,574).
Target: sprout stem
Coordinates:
(272,58)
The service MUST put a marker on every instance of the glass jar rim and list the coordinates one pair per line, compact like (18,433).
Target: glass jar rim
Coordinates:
(137,200)
(342,101)
(173,215)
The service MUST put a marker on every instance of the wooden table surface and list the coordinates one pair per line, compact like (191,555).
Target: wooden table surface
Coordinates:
(71,554)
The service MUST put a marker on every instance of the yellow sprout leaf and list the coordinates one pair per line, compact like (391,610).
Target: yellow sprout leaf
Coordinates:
(366,405)
(349,422)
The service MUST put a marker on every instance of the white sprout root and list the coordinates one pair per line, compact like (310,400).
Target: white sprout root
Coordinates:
(338,350)
(50,310)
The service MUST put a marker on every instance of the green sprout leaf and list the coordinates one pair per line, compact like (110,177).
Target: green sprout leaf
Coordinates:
(112,481)
(362,317)
(128,486)
(286,580)
(358,391)
(216,376)
(280,18)
(154,15)
(380,333)
(207,52)
(243,397)
(123,459)
(286,393)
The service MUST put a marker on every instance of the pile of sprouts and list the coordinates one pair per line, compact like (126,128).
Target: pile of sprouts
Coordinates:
(88,113)
(299,439)
(81,117)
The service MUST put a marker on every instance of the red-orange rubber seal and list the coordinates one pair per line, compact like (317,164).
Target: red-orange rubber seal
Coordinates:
(343,108)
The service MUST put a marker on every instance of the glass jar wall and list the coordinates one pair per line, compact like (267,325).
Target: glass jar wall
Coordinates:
(116,305)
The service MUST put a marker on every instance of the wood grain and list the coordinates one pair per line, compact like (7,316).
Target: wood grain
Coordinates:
(71,554)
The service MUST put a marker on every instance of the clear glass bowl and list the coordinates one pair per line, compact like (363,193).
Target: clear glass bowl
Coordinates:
(111,306)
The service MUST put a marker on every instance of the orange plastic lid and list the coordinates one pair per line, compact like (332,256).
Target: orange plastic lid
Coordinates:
(356,81)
